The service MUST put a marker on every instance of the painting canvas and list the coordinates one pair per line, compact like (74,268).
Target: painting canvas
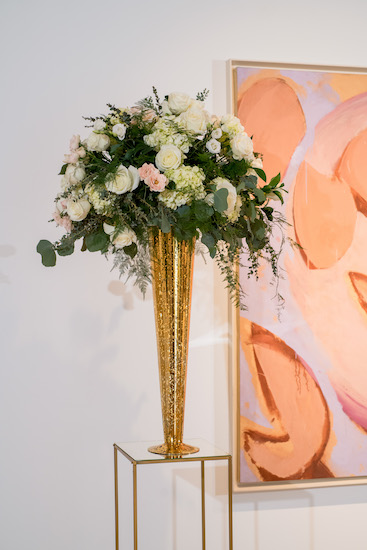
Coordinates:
(300,372)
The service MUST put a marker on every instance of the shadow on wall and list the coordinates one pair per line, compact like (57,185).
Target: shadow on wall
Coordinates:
(6,250)
(129,295)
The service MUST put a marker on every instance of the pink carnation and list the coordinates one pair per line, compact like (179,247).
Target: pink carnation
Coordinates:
(63,221)
(152,177)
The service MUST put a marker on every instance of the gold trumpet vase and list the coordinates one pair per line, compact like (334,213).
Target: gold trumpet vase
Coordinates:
(172,269)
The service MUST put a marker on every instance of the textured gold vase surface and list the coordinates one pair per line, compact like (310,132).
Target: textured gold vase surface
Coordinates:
(172,269)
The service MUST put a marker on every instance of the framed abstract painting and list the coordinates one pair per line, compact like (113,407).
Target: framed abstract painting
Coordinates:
(300,373)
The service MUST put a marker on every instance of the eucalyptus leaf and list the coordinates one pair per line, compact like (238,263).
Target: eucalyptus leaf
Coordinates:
(202,210)
(96,241)
(208,240)
(65,248)
(183,211)
(220,199)
(165,224)
(46,249)
(259,194)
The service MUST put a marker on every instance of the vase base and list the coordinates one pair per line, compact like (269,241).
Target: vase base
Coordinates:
(178,451)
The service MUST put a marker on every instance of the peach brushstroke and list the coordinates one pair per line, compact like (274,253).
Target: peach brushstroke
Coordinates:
(334,132)
(271,112)
(292,402)
(352,169)
(324,214)
(359,282)
(348,85)
(268,74)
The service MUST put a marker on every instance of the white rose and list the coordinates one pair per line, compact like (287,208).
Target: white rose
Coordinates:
(213,146)
(241,146)
(217,133)
(125,180)
(134,177)
(74,174)
(165,108)
(178,102)
(197,103)
(97,142)
(119,130)
(168,157)
(222,183)
(104,142)
(195,120)
(78,209)
(124,238)
(92,141)
(257,162)
(108,229)
(99,125)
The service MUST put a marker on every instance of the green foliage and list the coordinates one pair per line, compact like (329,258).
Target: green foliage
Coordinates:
(63,169)
(131,250)
(96,242)
(220,199)
(65,248)
(47,251)
(202,96)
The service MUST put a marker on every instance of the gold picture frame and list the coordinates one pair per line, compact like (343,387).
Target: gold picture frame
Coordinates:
(329,98)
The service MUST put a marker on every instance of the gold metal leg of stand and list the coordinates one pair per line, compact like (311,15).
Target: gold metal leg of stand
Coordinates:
(135,508)
(116,499)
(203,502)
(230,513)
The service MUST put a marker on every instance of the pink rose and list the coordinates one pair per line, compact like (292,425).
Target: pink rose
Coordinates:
(74,143)
(152,177)
(146,170)
(157,182)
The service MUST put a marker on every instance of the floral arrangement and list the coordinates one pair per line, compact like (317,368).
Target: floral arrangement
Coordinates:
(166,164)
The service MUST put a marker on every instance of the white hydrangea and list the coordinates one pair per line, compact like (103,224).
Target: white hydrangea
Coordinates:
(231,125)
(173,199)
(189,181)
(164,133)
(101,205)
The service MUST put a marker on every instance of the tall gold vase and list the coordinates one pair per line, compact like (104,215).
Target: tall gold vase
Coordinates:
(172,269)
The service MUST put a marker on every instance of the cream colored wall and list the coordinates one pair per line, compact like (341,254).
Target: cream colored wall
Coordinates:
(78,362)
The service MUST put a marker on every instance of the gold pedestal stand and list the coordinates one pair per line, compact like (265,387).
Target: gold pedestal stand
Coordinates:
(137,454)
